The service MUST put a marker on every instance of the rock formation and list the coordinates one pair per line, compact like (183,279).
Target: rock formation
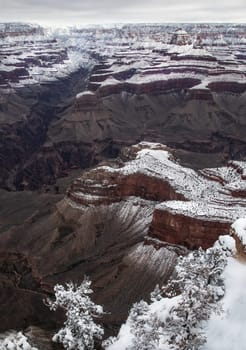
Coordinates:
(73,103)
(180,37)
(123,223)
(194,208)
(136,88)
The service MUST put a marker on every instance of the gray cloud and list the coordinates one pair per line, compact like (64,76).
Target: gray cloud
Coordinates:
(99,11)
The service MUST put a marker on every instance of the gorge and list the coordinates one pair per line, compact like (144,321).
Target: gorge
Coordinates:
(121,149)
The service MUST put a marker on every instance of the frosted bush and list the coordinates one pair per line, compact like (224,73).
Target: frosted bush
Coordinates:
(80,330)
(16,341)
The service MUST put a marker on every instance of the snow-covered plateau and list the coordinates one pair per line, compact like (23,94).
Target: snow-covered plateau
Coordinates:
(34,55)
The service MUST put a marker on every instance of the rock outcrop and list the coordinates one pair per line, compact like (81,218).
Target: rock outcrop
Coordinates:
(194,208)
(122,223)
(19,29)
(186,230)
(180,37)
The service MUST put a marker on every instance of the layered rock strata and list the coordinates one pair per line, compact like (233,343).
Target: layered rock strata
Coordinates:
(191,97)
(123,223)
(187,97)
(197,207)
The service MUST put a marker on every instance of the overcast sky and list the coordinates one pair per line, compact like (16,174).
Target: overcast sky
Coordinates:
(65,12)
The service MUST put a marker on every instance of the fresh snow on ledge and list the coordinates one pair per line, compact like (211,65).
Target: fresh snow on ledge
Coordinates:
(200,209)
(239,227)
(85,93)
(205,198)
(160,155)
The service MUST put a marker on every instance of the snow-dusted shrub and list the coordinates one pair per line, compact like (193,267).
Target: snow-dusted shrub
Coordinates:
(80,330)
(176,315)
(16,341)
(145,327)
(199,279)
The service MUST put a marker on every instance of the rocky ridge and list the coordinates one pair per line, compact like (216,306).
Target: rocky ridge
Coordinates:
(141,87)
(192,208)
(123,223)
(165,93)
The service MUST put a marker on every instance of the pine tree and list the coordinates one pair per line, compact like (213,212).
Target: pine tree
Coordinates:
(184,305)
(199,277)
(16,341)
(79,329)
(145,327)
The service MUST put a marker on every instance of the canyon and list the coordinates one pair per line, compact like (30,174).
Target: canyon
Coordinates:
(122,219)
(121,149)
(83,97)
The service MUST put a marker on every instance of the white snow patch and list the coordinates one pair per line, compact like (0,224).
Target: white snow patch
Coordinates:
(124,339)
(85,93)
(239,227)
(227,331)
(226,243)
(161,308)
(160,155)
(200,209)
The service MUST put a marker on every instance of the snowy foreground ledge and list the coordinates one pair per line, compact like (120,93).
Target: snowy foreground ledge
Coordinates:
(158,325)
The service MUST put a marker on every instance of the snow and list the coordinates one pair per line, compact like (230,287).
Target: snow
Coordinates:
(201,210)
(147,67)
(88,197)
(239,227)
(85,93)
(178,320)
(79,330)
(110,82)
(202,86)
(161,308)
(45,57)
(227,331)
(160,155)
(206,194)
(151,258)
(180,32)
(15,341)
(195,187)
(179,48)
(123,48)
(125,338)
(226,243)
(196,52)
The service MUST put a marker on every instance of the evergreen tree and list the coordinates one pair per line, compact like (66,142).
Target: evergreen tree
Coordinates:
(176,315)
(16,341)
(79,329)
(199,277)
(145,327)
